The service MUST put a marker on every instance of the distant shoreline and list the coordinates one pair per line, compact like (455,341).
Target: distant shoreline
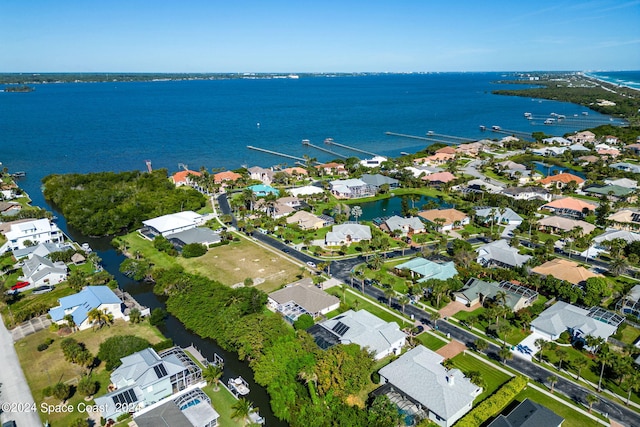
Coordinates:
(601,80)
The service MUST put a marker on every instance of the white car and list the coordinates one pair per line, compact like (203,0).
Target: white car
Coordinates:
(311,264)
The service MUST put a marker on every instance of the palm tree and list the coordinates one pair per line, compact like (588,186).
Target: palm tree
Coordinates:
(505,354)
(552,381)
(403,300)
(389,293)
(480,345)
(212,374)
(579,365)
(501,298)
(604,359)
(70,322)
(241,409)
(591,400)
(541,343)
(356,211)
(633,384)
(101,317)
(562,355)
(434,318)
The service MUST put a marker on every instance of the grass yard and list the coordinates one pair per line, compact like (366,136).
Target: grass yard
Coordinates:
(572,418)
(221,401)
(28,301)
(493,378)
(364,303)
(431,342)
(48,367)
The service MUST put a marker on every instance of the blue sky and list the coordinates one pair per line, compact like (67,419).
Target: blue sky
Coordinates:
(318,36)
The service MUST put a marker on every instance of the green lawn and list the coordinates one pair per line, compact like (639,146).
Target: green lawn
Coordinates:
(222,400)
(364,303)
(572,418)
(493,378)
(430,341)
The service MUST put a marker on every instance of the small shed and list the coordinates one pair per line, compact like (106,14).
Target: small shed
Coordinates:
(78,258)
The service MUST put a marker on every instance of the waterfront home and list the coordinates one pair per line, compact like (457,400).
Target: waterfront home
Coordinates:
(185,177)
(171,223)
(496,215)
(404,226)
(477,291)
(332,168)
(586,160)
(445,219)
(351,188)
(582,137)
(427,270)
(557,140)
(561,180)
(10,208)
(227,176)
(362,328)
(626,167)
(376,181)
(188,408)
(478,186)
(527,193)
(25,233)
(308,190)
(202,235)
(39,271)
(580,323)
(374,162)
(528,414)
(570,207)
(263,190)
(629,304)
(80,304)
(346,234)
(427,388)
(261,174)
(439,178)
(147,377)
(306,220)
(625,219)
(607,153)
(421,171)
(552,151)
(509,165)
(302,297)
(447,150)
(41,249)
(436,159)
(471,149)
(500,254)
(633,148)
(559,224)
(577,148)
(563,269)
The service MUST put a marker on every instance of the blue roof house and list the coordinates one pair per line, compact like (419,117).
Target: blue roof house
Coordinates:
(429,269)
(79,305)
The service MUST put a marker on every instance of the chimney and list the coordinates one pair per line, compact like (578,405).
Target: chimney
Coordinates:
(450,380)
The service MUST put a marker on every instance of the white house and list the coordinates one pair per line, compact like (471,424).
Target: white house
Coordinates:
(405,226)
(36,231)
(374,162)
(41,271)
(345,234)
(79,305)
(351,188)
(443,395)
(302,297)
(173,223)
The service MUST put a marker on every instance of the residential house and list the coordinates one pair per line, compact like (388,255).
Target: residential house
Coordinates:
(559,224)
(633,148)
(306,220)
(626,167)
(263,190)
(453,218)
(578,148)
(10,208)
(447,150)
(421,171)
(566,270)
(600,242)
(613,192)
(608,152)
(302,297)
(477,291)
(570,207)
(171,223)
(368,331)
(610,139)
(404,226)
(34,231)
(80,304)
(630,304)
(148,377)
(227,176)
(439,178)
(500,254)
(351,188)
(498,216)
(345,234)
(185,177)
(622,182)
(41,249)
(436,159)
(202,235)
(261,174)
(508,165)
(376,181)
(471,149)
(308,190)
(39,271)
(528,414)
(188,408)
(586,160)
(527,193)
(479,186)
(374,162)
(580,323)
(552,151)
(557,140)
(582,137)
(427,270)
(295,171)
(332,168)
(443,395)
(561,180)
(625,219)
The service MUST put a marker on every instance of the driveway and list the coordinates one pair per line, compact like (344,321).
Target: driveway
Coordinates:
(15,390)
(30,327)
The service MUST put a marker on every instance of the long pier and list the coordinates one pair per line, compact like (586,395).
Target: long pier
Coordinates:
(404,135)
(457,138)
(309,144)
(330,141)
(276,153)
(513,132)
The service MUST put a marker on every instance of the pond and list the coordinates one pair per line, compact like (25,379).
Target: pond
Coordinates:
(547,170)
(393,206)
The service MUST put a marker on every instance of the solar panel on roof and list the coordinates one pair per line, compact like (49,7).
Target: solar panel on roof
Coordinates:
(126,397)
(160,370)
(340,328)
(635,217)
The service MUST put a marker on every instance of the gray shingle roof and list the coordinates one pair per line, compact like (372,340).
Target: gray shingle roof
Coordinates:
(528,414)
(501,252)
(306,295)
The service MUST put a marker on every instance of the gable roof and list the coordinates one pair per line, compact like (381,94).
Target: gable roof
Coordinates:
(615,190)
(397,222)
(501,252)
(183,176)
(226,176)
(356,231)
(508,215)
(566,224)
(514,293)
(305,294)
(563,269)
(419,374)
(439,177)
(83,302)
(562,316)
(449,215)
(528,414)
(377,180)
(430,269)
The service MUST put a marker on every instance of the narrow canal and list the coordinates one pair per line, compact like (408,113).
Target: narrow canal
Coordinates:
(173,328)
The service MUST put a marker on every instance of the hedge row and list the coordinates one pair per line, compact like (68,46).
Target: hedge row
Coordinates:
(494,404)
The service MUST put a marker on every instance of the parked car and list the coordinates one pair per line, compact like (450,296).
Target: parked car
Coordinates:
(43,289)
(311,264)
(20,285)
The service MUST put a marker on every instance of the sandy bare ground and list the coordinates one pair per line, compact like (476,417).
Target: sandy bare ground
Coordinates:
(452,349)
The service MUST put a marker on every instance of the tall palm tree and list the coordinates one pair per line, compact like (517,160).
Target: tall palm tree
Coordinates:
(356,211)
(70,322)
(633,384)
(552,381)
(505,354)
(579,364)
(541,343)
(241,409)
(212,374)
(101,317)
(403,300)
(604,357)
(591,400)
(389,293)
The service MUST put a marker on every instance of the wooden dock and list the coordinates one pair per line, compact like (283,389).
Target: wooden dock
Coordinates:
(276,153)
(330,141)
(457,138)
(513,132)
(307,143)
(192,350)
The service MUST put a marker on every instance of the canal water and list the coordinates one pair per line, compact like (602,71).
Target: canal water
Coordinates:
(548,170)
(173,328)
(393,206)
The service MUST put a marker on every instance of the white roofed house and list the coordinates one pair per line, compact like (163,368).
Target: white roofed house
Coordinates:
(499,253)
(374,162)
(261,174)
(376,181)
(36,231)
(345,234)
(405,226)
(498,216)
(429,389)
(39,271)
(172,223)
(351,188)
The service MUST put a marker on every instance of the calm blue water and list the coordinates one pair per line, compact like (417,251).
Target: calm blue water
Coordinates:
(625,78)
(393,206)
(84,127)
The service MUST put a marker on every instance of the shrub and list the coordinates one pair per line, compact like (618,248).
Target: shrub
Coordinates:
(61,391)
(114,348)
(43,346)
(157,316)
(304,322)
(163,345)
(494,404)
(47,391)
(193,250)
(87,386)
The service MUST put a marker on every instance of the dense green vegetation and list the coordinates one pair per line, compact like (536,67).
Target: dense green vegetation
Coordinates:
(115,348)
(107,203)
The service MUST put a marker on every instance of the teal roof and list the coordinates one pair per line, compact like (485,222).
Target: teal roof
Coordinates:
(263,190)
(430,269)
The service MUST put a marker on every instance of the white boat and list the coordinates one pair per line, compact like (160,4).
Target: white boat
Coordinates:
(494,127)
(238,386)
(527,115)
(549,121)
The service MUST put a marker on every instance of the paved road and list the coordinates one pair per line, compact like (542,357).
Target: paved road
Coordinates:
(15,390)
(472,168)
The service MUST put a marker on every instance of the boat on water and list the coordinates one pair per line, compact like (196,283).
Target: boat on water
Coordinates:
(549,121)
(238,386)
(527,115)
(494,127)
(483,128)
(255,418)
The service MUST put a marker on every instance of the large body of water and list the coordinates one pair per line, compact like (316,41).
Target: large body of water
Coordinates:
(89,127)
(623,78)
